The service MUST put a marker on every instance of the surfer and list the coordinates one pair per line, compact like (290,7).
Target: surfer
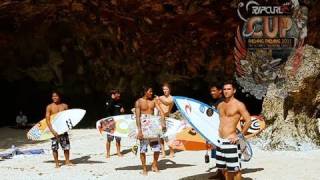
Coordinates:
(228,148)
(114,108)
(145,106)
(63,139)
(165,103)
(216,94)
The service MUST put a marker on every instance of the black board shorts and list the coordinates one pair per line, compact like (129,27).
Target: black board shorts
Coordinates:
(228,156)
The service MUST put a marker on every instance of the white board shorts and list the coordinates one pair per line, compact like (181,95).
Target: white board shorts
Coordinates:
(154,144)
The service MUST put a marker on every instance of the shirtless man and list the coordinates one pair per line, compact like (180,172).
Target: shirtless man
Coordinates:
(145,106)
(228,149)
(165,103)
(53,108)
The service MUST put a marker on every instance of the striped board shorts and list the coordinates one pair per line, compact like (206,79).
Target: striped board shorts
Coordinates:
(228,156)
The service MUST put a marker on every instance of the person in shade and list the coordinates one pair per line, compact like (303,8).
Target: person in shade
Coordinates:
(217,97)
(114,108)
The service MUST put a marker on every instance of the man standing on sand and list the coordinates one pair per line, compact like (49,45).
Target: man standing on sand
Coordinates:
(216,94)
(228,149)
(114,108)
(63,139)
(145,106)
(165,103)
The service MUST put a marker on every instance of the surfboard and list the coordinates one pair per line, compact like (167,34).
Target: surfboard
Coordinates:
(203,118)
(257,126)
(61,123)
(125,126)
(188,140)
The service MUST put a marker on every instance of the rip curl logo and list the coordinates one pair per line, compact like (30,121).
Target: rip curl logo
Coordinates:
(270,10)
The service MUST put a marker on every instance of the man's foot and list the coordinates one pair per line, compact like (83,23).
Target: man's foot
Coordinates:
(144,171)
(108,156)
(171,155)
(120,155)
(57,166)
(155,168)
(69,163)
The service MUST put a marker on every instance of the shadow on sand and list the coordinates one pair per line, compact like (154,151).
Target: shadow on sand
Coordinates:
(12,136)
(80,160)
(207,175)
(163,164)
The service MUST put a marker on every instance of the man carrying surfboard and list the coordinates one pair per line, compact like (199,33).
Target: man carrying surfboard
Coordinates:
(53,108)
(144,106)
(216,94)
(228,147)
(165,103)
(114,108)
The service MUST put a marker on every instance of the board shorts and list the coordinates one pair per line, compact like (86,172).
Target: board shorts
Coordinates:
(154,144)
(63,140)
(228,156)
(111,138)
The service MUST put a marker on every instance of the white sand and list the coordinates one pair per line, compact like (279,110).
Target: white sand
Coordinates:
(88,153)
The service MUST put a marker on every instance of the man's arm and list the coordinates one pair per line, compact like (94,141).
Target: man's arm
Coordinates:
(246,117)
(138,122)
(162,119)
(48,114)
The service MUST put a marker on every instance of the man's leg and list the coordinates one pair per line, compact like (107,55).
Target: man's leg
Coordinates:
(67,156)
(238,176)
(143,162)
(55,157)
(65,145)
(55,147)
(118,145)
(163,152)
(155,167)
(156,148)
(143,150)
(108,145)
(171,152)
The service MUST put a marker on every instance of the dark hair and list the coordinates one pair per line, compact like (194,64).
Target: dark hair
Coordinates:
(114,91)
(146,88)
(231,82)
(58,93)
(216,85)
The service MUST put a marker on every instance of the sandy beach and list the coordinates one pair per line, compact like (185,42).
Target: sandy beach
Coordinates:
(88,155)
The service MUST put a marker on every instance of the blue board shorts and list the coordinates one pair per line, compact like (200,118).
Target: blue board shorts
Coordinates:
(63,140)
(154,144)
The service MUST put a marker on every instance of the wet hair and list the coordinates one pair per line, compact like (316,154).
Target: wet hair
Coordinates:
(114,91)
(230,82)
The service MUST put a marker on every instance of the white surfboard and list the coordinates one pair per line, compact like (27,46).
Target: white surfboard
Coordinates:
(203,118)
(125,126)
(61,123)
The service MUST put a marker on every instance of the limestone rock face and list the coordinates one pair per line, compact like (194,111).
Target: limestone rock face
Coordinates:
(290,108)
